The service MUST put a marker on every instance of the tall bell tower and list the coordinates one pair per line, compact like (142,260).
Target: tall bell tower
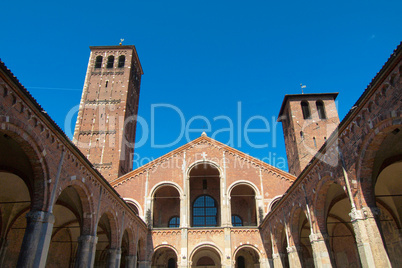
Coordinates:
(307,121)
(106,123)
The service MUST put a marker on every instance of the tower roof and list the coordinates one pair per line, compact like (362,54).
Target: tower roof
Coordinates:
(121,47)
(289,97)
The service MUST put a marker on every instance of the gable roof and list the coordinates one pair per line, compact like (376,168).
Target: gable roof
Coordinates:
(192,143)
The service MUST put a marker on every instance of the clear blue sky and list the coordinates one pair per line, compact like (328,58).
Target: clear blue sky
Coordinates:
(204,57)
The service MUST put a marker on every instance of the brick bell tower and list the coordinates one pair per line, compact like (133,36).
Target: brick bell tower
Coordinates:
(106,123)
(307,121)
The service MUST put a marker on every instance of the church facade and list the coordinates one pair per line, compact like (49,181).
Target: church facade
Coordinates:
(79,203)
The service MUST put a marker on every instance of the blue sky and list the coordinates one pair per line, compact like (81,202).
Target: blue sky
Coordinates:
(206,58)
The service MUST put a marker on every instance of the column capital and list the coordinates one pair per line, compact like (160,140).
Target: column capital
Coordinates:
(40,216)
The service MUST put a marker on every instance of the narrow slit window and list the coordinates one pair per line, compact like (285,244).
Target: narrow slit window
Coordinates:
(321,109)
(107,82)
(315,142)
(98,62)
(122,60)
(306,110)
(110,61)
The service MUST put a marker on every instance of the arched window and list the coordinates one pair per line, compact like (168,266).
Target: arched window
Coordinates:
(236,220)
(174,222)
(122,60)
(98,62)
(320,109)
(305,109)
(110,61)
(205,212)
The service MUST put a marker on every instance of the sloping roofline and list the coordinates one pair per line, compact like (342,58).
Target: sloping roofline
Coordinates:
(193,142)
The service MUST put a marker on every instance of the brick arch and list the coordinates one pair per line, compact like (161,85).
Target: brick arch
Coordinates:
(273,202)
(161,184)
(204,162)
(278,228)
(367,154)
(114,234)
(318,216)
(294,223)
(87,204)
(131,240)
(243,182)
(161,247)
(209,246)
(247,246)
(136,204)
(31,146)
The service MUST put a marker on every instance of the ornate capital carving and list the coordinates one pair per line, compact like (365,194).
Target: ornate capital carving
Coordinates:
(356,215)
(40,216)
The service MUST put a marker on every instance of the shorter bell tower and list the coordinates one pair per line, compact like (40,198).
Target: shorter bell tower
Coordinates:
(107,117)
(307,121)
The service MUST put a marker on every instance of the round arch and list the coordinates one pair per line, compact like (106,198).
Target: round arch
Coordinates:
(135,203)
(247,246)
(163,184)
(243,182)
(273,202)
(203,162)
(165,204)
(243,203)
(206,249)
(29,144)
(161,247)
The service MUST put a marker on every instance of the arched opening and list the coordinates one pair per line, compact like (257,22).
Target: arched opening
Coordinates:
(247,257)
(164,257)
(133,207)
(16,193)
(321,109)
(283,252)
(122,60)
(388,193)
(243,205)
(98,62)
(206,257)
(104,241)
(305,110)
(301,232)
(125,249)
(15,202)
(166,204)
(204,195)
(339,228)
(110,61)
(68,214)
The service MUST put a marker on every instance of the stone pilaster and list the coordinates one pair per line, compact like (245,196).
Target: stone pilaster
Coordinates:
(319,243)
(38,234)
(144,264)
(3,250)
(277,260)
(293,255)
(368,238)
(114,258)
(131,261)
(86,251)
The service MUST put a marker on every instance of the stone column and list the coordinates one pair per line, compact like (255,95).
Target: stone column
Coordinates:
(144,264)
(293,255)
(368,238)
(86,251)
(277,260)
(131,261)
(113,257)
(319,243)
(35,244)
(3,249)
